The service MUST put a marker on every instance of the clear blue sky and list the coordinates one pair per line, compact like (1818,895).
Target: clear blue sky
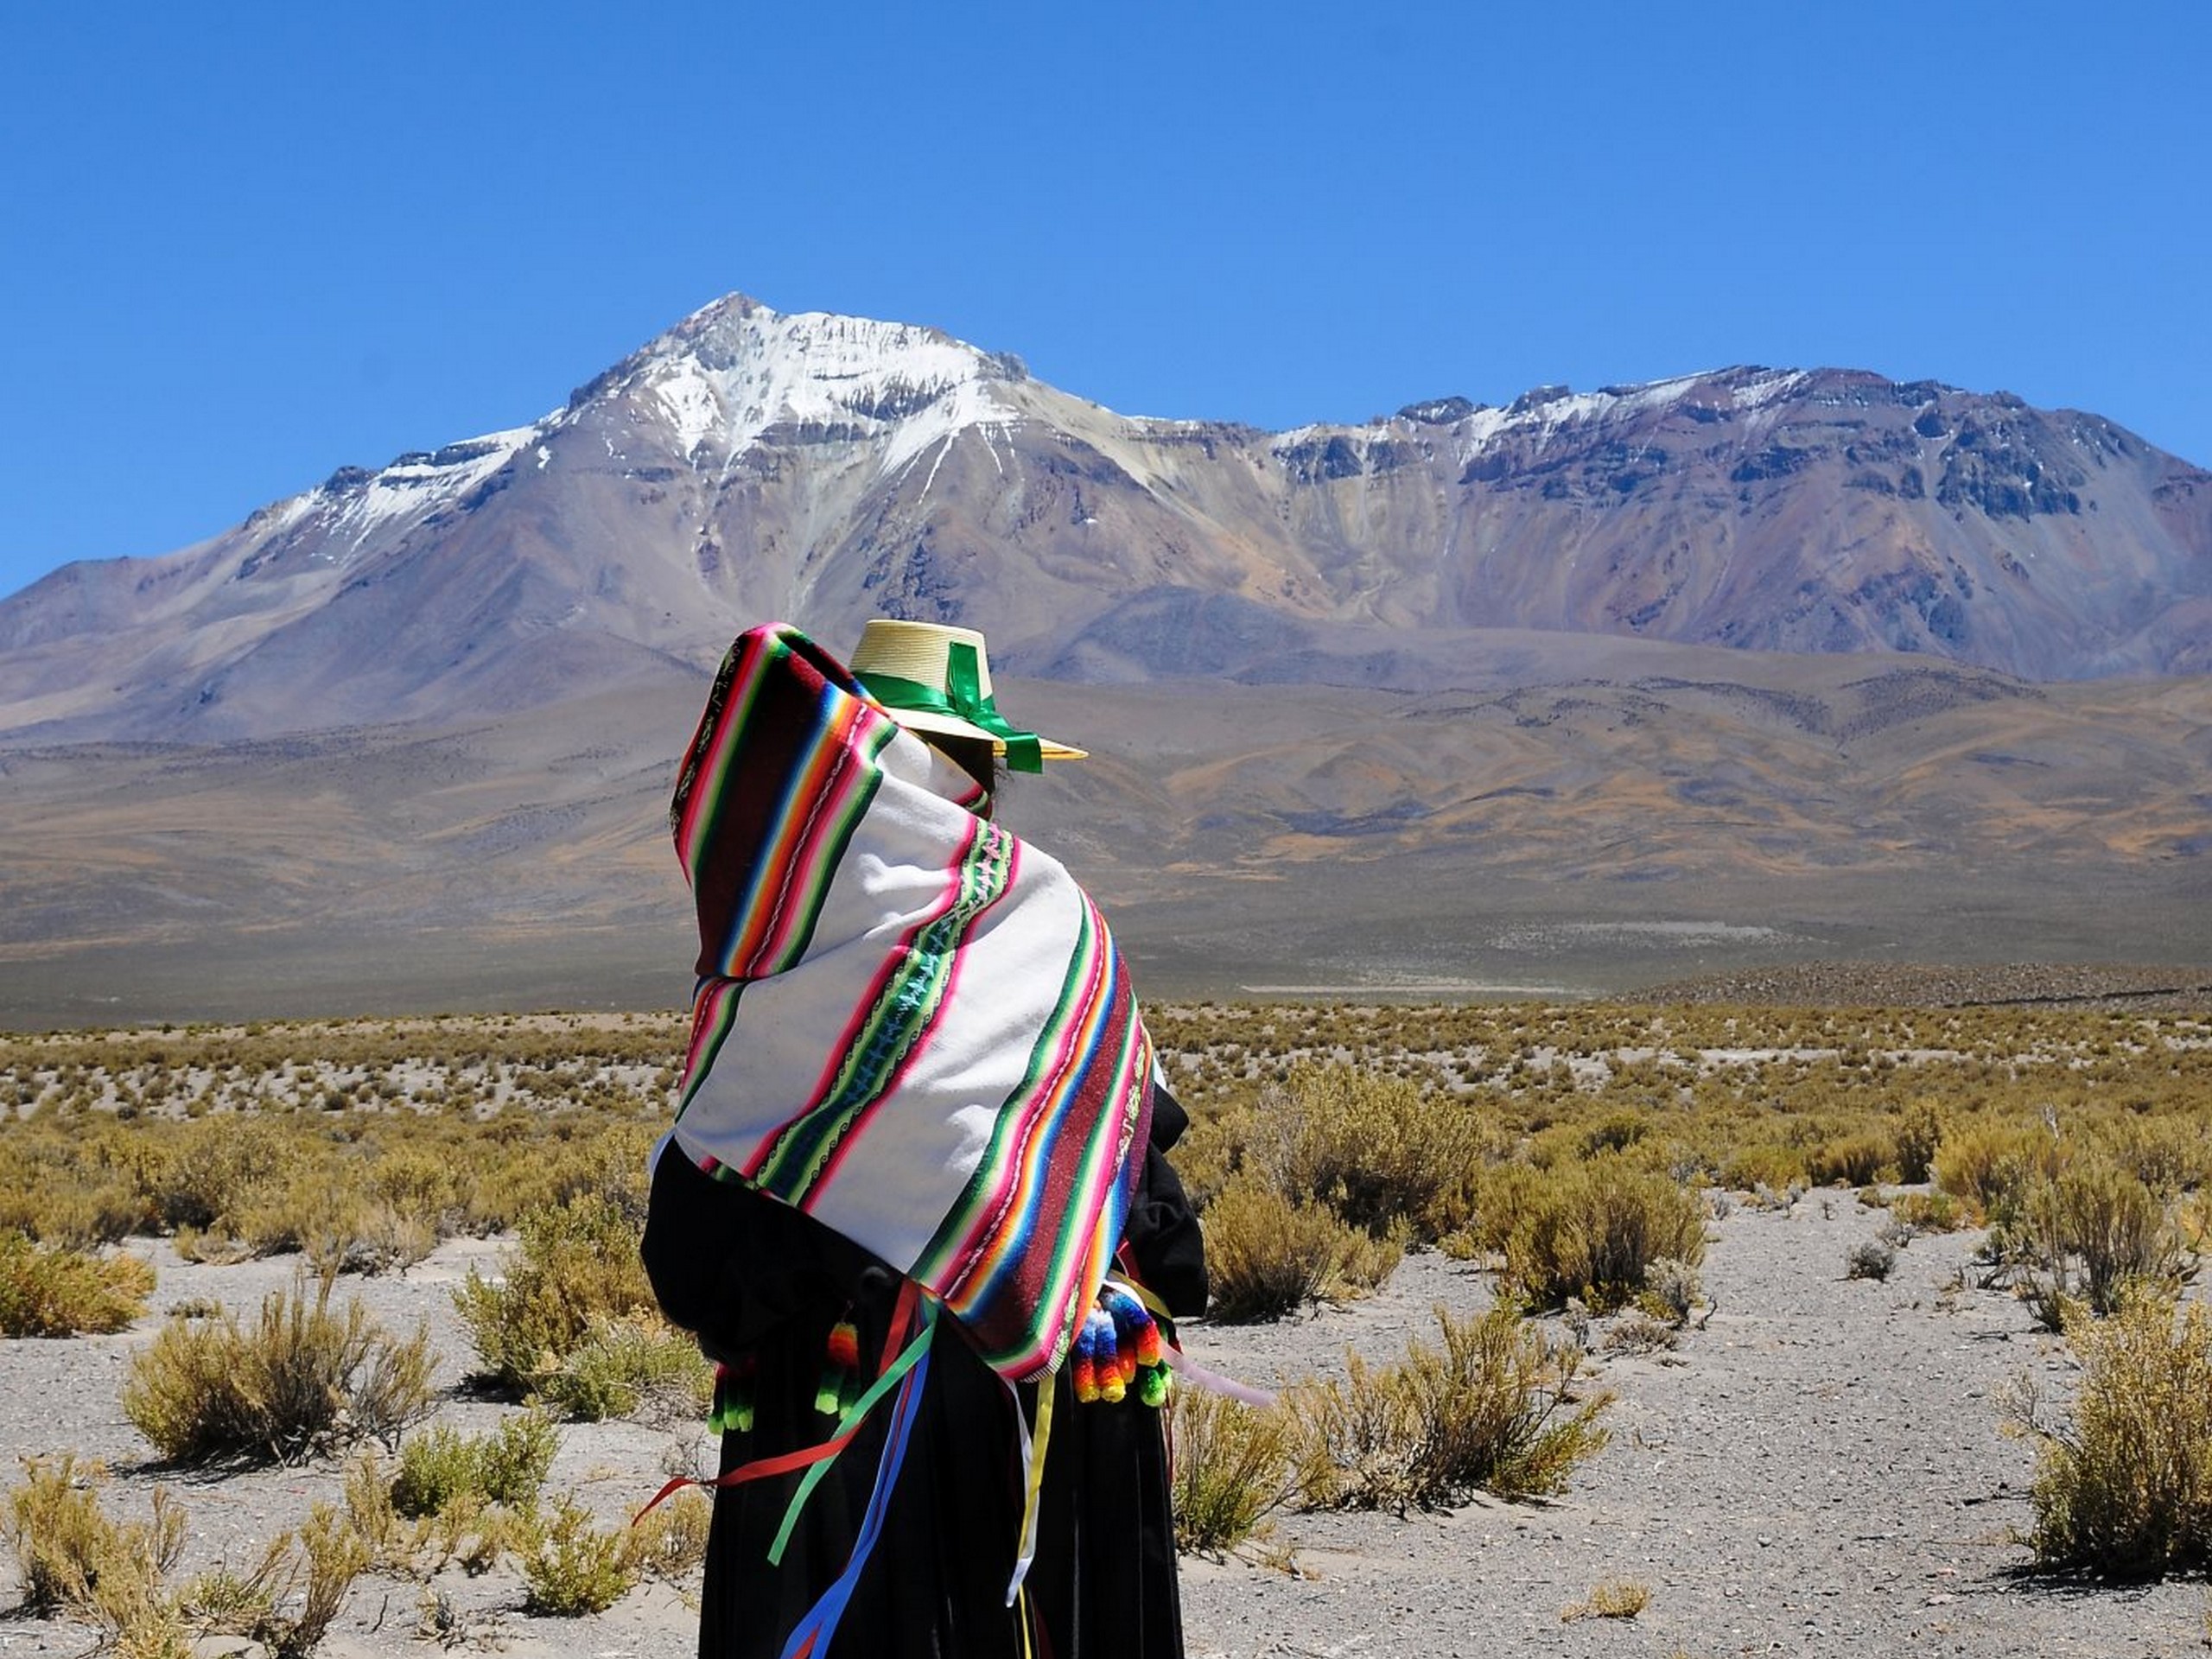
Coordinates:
(246,244)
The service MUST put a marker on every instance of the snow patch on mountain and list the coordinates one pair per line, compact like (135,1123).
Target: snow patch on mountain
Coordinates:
(730,374)
(411,487)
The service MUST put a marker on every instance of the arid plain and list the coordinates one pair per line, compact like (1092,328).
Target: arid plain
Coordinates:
(1574,816)
(1814,1459)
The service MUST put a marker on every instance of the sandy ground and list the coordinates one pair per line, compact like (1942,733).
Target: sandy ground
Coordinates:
(1821,1468)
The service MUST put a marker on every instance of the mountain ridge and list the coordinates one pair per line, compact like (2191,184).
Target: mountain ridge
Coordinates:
(1576,693)
(749,464)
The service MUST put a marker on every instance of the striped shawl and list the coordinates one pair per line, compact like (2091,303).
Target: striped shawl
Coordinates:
(908,1024)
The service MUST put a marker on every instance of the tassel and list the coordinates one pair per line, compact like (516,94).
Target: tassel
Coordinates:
(732,1413)
(843,1359)
(1112,1385)
(1086,1357)
(1143,1359)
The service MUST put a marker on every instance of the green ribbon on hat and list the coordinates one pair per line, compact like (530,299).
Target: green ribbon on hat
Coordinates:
(964,698)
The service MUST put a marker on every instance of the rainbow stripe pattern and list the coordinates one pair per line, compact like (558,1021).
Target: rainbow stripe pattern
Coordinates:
(908,1023)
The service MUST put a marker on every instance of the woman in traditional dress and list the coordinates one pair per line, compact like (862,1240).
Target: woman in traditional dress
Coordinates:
(914,1204)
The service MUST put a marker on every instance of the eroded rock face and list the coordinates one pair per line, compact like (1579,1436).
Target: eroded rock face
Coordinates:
(749,465)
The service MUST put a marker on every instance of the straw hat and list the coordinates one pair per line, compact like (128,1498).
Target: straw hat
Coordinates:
(936,679)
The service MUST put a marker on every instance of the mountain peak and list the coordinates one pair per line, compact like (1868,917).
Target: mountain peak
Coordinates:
(750,463)
(737,370)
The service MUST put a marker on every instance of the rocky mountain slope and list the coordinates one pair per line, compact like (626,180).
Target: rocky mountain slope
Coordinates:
(1591,692)
(822,469)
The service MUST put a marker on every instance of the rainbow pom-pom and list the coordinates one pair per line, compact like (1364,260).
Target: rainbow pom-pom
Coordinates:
(1085,1364)
(841,1359)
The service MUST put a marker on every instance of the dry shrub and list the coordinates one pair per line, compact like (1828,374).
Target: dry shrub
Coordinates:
(576,1265)
(396,1542)
(572,1565)
(1929,1212)
(441,1467)
(2167,1154)
(1593,1230)
(2093,1233)
(1672,1289)
(75,1560)
(423,1183)
(77,1189)
(1640,1331)
(1986,1166)
(1266,1255)
(66,1546)
(1858,1159)
(639,1367)
(1384,1154)
(318,1566)
(52,1292)
(1232,1469)
(1610,1598)
(1494,1410)
(216,1170)
(2125,1489)
(1919,1133)
(1870,1258)
(586,1164)
(671,1543)
(1755,1166)
(338,1229)
(300,1381)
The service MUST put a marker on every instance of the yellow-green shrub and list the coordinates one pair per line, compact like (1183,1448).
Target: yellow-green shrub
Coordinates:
(572,1565)
(1855,1158)
(2092,1230)
(1266,1255)
(1594,1229)
(66,1546)
(300,1380)
(1232,1468)
(51,1291)
(2125,1489)
(575,1267)
(1495,1408)
(1989,1166)
(441,1466)
(1383,1153)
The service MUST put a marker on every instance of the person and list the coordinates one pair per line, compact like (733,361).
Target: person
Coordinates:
(915,1203)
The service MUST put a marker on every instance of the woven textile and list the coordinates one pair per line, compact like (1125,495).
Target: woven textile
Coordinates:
(908,1024)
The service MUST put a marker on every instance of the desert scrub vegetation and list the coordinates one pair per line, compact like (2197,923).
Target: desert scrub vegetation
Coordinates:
(440,1468)
(1610,1598)
(363,1142)
(1232,1469)
(360,1143)
(1591,1229)
(75,1560)
(2123,1483)
(1267,1254)
(1384,1154)
(572,1320)
(1497,1406)
(53,1291)
(64,1543)
(299,1380)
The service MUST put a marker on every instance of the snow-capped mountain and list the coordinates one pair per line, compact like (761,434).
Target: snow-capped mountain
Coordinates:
(750,465)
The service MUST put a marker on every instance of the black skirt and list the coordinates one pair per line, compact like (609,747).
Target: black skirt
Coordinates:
(763,1286)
